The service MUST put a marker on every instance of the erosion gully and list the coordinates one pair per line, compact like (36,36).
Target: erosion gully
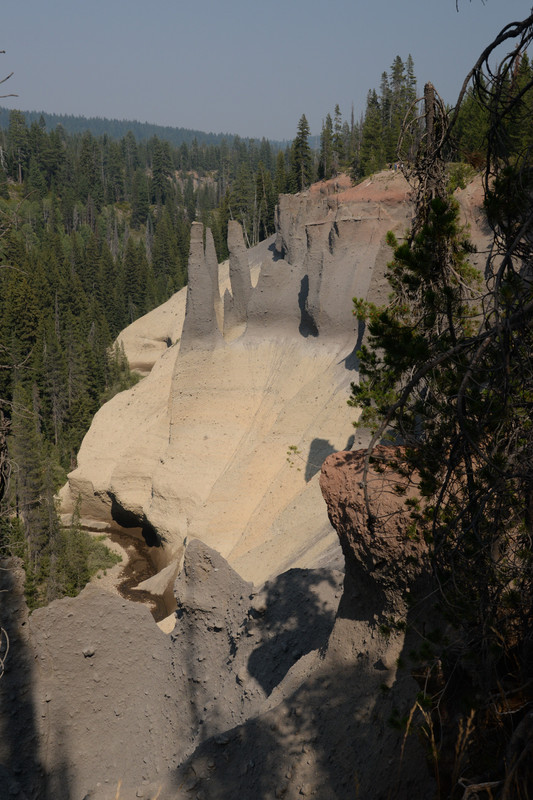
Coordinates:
(137,568)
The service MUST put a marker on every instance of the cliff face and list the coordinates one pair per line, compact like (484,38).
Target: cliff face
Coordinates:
(97,702)
(276,692)
(266,694)
(224,438)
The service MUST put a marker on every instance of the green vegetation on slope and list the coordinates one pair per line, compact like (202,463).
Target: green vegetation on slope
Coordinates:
(447,372)
(94,232)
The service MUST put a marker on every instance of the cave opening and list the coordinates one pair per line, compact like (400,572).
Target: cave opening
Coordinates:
(127,519)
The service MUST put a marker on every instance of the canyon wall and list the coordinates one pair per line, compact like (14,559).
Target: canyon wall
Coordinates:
(224,455)
(281,692)
(249,373)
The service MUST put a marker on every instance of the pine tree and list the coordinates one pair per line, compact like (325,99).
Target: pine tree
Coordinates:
(338,141)
(26,453)
(243,199)
(326,161)
(18,145)
(265,204)
(89,172)
(301,173)
(140,199)
(372,153)
(280,176)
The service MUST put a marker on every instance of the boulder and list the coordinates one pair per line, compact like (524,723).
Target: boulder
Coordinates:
(383,552)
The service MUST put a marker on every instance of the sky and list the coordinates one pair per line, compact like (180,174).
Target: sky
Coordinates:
(235,66)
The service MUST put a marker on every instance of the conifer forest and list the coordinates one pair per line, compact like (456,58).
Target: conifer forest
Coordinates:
(95,226)
(94,233)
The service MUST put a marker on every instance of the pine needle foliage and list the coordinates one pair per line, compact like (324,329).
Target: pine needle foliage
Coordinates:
(447,372)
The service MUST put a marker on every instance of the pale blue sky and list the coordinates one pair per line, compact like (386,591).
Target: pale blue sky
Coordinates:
(238,66)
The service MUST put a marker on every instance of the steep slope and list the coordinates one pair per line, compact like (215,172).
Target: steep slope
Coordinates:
(257,693)
(224,438)
(95,695)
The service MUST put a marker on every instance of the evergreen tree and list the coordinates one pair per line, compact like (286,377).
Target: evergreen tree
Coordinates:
(26,453)
(471,131)
(266,199)
(140,199)
(89,172)
(243,201)
(280,176)
(161,170)
(301,173)
(338,141)
(190,199)
(326,161)
(372,153)
(18,145)
(36,181)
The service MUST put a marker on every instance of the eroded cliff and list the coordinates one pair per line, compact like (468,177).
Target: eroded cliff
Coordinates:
(224,438)
(258,692)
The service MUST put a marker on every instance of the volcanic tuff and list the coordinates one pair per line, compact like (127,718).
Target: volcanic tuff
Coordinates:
(246,396)
(258,692)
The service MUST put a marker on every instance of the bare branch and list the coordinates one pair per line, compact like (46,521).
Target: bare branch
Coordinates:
(4,650)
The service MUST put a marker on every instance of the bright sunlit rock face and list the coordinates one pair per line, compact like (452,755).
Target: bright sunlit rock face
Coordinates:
(246,395)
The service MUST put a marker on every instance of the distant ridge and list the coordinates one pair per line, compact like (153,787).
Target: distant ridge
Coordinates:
(118,128)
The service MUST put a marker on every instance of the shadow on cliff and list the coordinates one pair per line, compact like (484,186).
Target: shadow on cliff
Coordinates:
(21,772)
(275,255)
(334,737)
(293,618)
(301,749)
(319,450)
(307,325)
(127,519)
(351,362)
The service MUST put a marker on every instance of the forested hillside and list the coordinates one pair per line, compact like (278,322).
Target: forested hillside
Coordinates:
(95,233)
(118,128)
(371,143)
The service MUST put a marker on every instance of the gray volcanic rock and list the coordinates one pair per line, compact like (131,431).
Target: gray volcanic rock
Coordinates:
(230,319)
(235,309)
(95,694)
(200,327)
(275,302)
(239,270)
(211,262)
(224,438)
(332,732)
(293,213)
(210,644)
(90,681)
(339,262)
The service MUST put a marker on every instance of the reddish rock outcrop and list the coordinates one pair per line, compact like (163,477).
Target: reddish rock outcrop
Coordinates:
(387,552)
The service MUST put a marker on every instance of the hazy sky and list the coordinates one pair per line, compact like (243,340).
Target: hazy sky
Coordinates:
(237,66)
